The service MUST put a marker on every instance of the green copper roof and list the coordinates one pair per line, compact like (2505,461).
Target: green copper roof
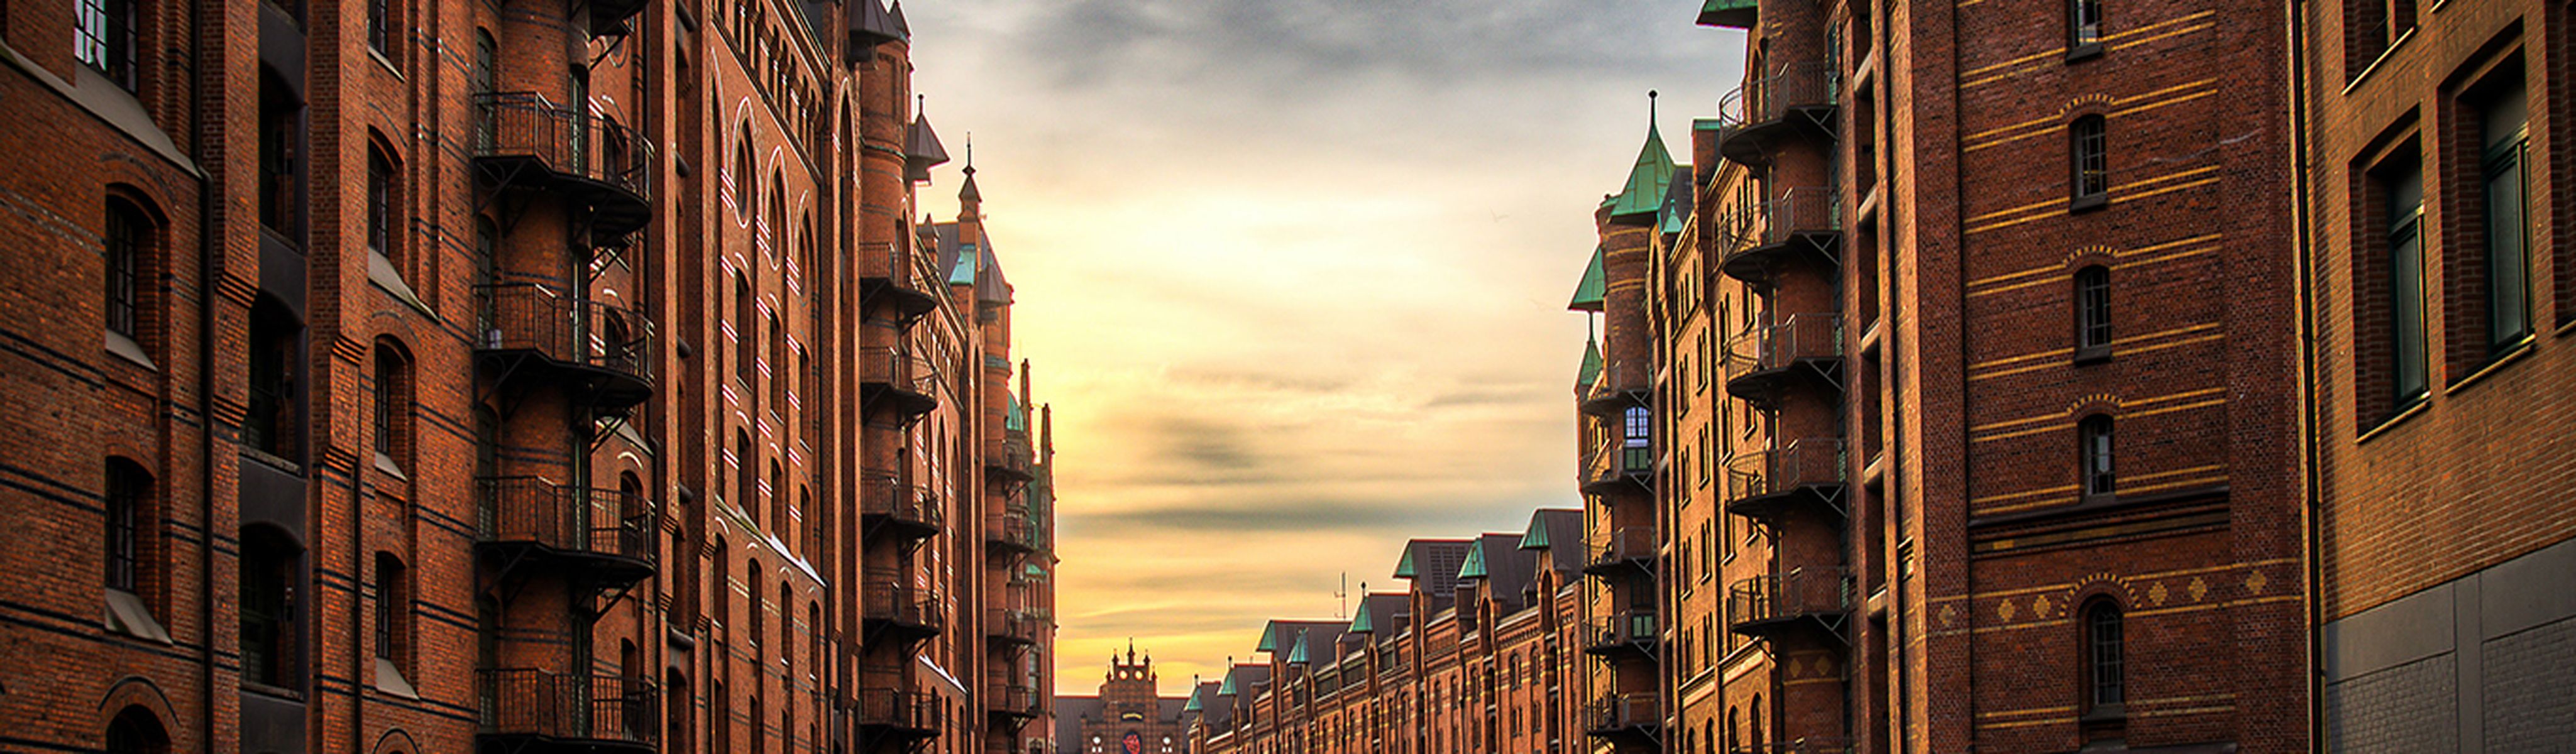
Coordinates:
(965,272)
(1017,420)
(1297,654)
(1739,14)
(1193,704)
(1536,537)
(1034,570)
(1591,373)
(1227,688)
(1594,290)
(1474,568)
(1269,638)
(1647,182)
(1360,623)
(1404,568)
(1677,208)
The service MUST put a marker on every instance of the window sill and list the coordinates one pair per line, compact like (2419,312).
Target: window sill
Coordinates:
(2088,202)
(387,62)
(2088,355)
(385,463)
(389,679)
(2107,713)
(380,271)
(127,615)
(125,347)
(2412,407)
(2083,52)
(2510,354)
(2376,62)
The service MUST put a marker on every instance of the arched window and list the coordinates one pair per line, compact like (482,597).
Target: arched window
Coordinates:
(676,709)
(2104,677)
(746,476)
(129,488)
(2092,313)
(777,501)
(742,348)
(719,718)
(136,731)
(380,28)
(814,628)
(129,241)
(2083,28)
(759,723)
(720,591)
(2089,153)
(1753,713)
(756,617)
(270,569)
(106,39)
(636,527)
(786,633)
(2094,436)
(276,353)
(393,610)
(393,405)
(381,206)
(742,167)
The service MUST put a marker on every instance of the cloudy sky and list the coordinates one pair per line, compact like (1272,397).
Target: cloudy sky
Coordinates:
(1293,274)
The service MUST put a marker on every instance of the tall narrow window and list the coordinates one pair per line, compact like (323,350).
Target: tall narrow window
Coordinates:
(2083,27)
(275,351)
(1636,441)
(393,608)
(720,591)
(742,335)
(266,583)
(746,476)
(755,619)
(380,206)
(106,40)
(393,405)
(2405,284)
(2089,148)
(128,488)
(742,167)
(128,236)
(281,186)
(2092,313)
(2501,120)
(2103,674)
(720,719)
(136,731)
(380,25)
(777,501)
(2095,436)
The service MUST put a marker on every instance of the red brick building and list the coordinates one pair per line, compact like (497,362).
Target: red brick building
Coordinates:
(1481,653)
(1998,447)
(2441,279)
(1128,716)
(525,376)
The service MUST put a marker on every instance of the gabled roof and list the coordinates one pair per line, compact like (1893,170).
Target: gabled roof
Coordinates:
(1739,14)
(1433,564)
(1593,291)
(1508,568)
(1677,200)
(1282,635)
(991,287)
(870,25)
(900,26)
(921,148)
(1382,609)
(1474,568)
(1297,652)
(1648,180)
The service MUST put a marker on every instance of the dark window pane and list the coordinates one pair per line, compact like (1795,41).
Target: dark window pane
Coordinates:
(125,241)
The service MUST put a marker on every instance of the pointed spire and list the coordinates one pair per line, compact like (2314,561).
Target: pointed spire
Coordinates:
(1651,177)
(922,149)
(968,193)
(1024,382)
(869,27)
(900,26)
(1046,434)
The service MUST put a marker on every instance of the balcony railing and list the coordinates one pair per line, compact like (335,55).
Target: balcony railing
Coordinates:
(1623,713)
(1626,630)
(904,712)
(909,510)
(569,520)
(1805,745)
(1627,546)
(1793,87)
(1014,698)
(897,379)
(1615,460)
(569,707)
(1622,383)
(1013,461)
(891,604)
(891,272)
(1756,605)
(537,319)
(568,141)
(1015,626)
(1011,531)
(1792,466)
(1761,226)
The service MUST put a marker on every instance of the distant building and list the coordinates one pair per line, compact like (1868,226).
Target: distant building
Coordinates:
(1128,716)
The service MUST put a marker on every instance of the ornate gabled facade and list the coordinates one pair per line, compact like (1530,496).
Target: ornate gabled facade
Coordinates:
(559,375)
(1128,716)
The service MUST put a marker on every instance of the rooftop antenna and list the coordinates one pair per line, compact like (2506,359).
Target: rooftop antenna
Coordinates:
(1342,597)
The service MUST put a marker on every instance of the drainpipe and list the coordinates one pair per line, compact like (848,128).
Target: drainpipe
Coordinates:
(2300,214)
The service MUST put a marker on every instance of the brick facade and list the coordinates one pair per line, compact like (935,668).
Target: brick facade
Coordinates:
(479,376)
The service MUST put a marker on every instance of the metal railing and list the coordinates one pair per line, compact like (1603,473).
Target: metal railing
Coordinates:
(1625,628)
(897,708)
(1770,98)
(899,368)
(886,596)
(1614,459)
(567,140)
(532,317)
(1816,591)
(1014,697)
(1626,544)
(1011,529)
(1017,625)
(884,494)
(1763,348)
(1621,711)
(1014,455)
(1814,460)
(589,520)
(564,706)
(1774,221)
(1622,378)
(1803,745)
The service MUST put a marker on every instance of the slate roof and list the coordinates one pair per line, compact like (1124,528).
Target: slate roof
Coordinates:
(1433,564)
